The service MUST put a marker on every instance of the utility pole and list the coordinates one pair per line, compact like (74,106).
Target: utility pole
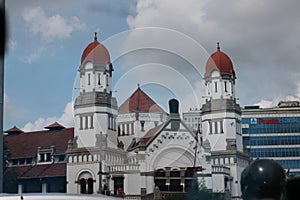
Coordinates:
(3,40)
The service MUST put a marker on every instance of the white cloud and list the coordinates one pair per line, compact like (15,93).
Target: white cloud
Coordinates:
(34,56)
(66,119)
(53,27)
(11,110)
(12,44)
(274,102)
(261,40)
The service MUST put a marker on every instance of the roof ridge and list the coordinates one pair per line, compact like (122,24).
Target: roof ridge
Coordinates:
(139,100)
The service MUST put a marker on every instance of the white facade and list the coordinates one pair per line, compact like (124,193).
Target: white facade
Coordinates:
(192,118)
(221,126)
(130,153)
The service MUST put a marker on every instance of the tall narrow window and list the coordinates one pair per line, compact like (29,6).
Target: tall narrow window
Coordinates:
(81,122)
(99,82)
(210,127)
(132,128)
(89,79)
(216,127)
(106,79)
(221,127)
(225,85)
(86,122)
(123,129)
(216,87)
(91,122)
(127,129)
(142,125)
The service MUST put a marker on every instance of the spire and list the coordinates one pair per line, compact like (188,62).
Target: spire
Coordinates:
(218,45)
(95,36)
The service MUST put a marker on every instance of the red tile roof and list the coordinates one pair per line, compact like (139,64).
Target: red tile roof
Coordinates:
(96,53)
(147,137)
(140,101)
(219,61)
(40,171)
(25,145)
(54,125)
(14,130)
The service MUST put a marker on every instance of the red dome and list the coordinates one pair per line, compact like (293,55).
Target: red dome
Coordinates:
(96,53)
(219,61)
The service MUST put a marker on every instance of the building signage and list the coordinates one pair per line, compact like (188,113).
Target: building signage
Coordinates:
(253,120)
(268,121)
(283,120)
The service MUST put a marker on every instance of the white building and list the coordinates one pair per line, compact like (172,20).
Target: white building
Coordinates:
(221,120)
(192,118)
(141,147)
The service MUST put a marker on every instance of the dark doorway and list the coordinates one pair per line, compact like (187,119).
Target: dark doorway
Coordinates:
(118,183)
(90,183)
(82,186)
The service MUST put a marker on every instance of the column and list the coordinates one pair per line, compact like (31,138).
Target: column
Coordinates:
(44,187)
(20,188)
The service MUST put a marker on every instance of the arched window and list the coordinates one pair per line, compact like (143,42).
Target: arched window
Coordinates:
(90,183)
(82,183)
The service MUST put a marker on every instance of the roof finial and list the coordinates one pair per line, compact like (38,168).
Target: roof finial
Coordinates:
(138,85)
(218,45)
(95,36)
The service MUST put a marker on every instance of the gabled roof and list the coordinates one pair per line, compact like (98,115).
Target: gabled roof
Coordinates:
(14,130)
(140,101)
(25,145)
(55,126)
(154,132)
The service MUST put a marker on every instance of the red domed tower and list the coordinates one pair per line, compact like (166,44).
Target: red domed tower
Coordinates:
(95,109)
(221,119)
(219,76)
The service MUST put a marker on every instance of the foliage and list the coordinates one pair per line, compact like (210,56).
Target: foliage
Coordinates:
(200,191)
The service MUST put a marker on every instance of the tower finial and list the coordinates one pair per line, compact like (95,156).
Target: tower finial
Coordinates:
(95,36)
(218,45)
(138,85)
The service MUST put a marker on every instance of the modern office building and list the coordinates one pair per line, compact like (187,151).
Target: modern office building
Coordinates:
(273,133)
(192,118)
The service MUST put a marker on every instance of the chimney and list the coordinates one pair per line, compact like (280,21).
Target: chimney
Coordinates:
(174,114)
(173,105)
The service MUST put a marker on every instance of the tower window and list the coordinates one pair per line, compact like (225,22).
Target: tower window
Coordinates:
(99,82)
(81,122)
(225,85)
(216,87)
(106,79)
(142,125)
(210,127)
(91,122)
(132,128)
(221,127)
(89,79)
(216,127)
(86,122)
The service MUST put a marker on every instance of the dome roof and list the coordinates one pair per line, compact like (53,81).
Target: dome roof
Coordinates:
(219,61)
(96,53)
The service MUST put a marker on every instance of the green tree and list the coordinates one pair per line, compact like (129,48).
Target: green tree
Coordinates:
(199,191)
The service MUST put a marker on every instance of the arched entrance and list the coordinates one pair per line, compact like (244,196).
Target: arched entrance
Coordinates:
(86,183)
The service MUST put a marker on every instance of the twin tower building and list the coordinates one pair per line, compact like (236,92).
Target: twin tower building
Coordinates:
(137,150)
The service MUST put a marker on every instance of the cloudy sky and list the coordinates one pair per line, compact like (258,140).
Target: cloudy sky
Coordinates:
(160,44)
